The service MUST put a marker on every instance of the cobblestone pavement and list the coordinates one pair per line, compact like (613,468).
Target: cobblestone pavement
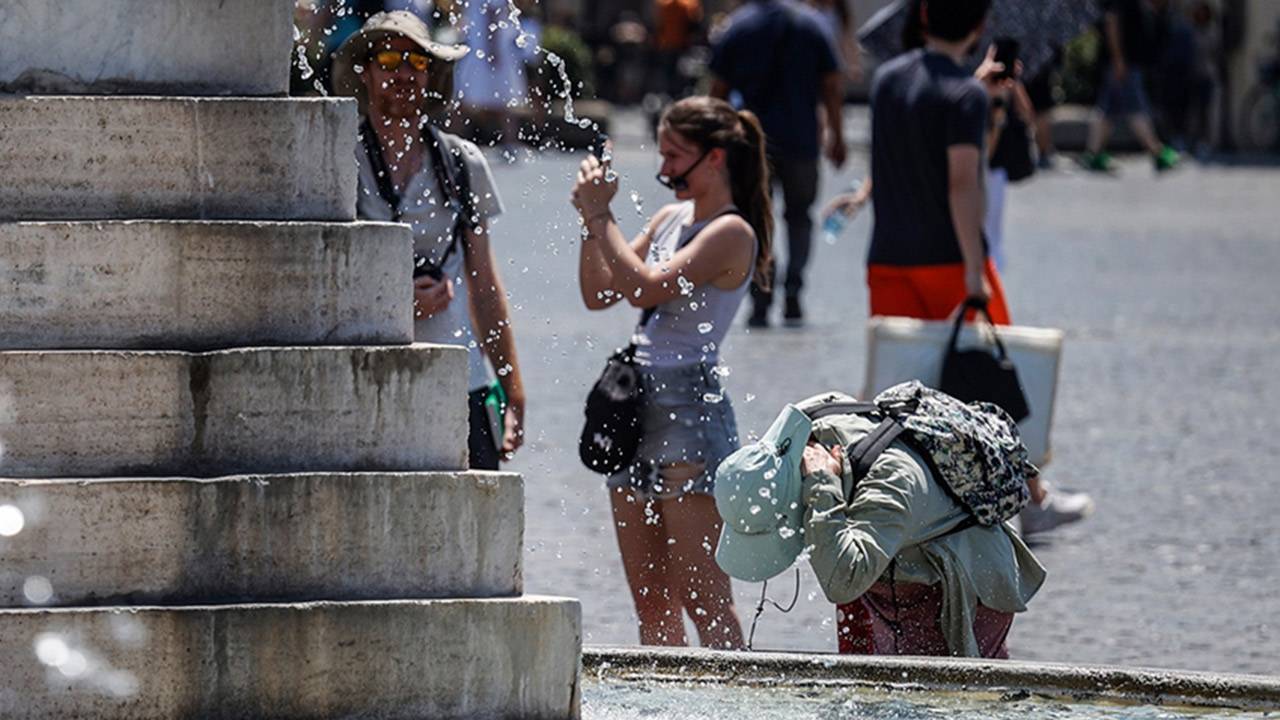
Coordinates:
(1167,406)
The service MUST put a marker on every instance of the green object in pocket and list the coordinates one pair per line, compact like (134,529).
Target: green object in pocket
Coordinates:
(495,407)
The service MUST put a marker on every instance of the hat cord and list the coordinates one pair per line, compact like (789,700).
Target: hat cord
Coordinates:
(763,599)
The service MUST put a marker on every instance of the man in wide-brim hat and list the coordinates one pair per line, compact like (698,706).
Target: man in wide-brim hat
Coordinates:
(441,186)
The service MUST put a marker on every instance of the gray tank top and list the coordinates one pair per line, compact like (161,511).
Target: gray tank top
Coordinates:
(690,328)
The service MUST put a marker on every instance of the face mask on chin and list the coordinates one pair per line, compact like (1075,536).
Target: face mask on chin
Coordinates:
(680,182)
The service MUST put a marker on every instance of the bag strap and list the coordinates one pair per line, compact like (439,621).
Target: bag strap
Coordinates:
(453,178)
(863,454)
(381,174)
(981,307)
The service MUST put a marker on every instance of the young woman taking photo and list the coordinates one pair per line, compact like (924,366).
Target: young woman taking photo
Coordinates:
(692,265)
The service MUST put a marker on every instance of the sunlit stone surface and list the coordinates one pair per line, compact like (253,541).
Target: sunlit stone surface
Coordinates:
(203,285)
(96,158)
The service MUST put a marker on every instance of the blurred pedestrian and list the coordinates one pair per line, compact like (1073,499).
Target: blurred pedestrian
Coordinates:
(690,269)
(1040,90)
(776,56)
(441,186)
(1205,79)
(677,25)
(929,124)
(1009,159)
(492,77)
(1128,47)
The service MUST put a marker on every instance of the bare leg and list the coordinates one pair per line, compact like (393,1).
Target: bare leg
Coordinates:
(1044,133)
(693,529)
(642,538)
(1099,131)
(1146,133)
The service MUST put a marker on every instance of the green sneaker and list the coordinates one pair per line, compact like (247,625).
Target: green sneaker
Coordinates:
(1097,162)
(1167,159)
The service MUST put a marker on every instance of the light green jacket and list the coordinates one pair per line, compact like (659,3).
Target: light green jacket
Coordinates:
(900,510)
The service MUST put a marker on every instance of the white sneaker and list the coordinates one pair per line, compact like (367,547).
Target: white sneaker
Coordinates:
(1058,507)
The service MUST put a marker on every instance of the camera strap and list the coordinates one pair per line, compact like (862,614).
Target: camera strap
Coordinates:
(453,179)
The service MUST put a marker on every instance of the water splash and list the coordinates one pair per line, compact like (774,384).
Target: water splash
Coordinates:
(562,72)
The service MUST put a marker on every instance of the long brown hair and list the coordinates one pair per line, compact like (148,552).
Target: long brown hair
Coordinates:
(712,123)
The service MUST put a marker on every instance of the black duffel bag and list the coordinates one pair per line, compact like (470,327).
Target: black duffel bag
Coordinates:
(981,375)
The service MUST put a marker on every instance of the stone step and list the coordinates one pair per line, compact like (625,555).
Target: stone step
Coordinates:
(67,414)
(387,660)
(259,538)
(195,285)
(99,158)
(175,47)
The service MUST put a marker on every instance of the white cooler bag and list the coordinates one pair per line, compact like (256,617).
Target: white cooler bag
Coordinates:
(901,349)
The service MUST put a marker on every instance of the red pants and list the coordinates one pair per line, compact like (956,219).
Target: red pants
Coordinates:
(866,625)
(929,292)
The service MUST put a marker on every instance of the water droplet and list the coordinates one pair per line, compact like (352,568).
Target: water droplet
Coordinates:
(11,521)
(37,590)
(706,327)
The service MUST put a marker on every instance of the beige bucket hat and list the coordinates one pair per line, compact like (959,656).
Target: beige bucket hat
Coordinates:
(357,48)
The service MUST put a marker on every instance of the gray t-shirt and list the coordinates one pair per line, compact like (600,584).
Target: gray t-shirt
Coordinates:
(432,217)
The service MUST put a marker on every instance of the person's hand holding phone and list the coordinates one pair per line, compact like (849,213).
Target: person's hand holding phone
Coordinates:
(595,187)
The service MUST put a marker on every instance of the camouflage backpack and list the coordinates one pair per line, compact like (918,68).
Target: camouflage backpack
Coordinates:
(973,450)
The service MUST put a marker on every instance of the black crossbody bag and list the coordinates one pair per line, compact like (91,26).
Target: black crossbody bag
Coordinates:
(612,431)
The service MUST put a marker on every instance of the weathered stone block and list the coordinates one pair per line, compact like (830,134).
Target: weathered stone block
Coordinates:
(174,47)
(511,658)
(262,410)
(351,536)
(99,158)
(162,285)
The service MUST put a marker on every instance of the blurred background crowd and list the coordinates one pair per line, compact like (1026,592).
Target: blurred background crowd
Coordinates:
(1213,75)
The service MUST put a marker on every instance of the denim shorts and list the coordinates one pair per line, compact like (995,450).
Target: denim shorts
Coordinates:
(687,418)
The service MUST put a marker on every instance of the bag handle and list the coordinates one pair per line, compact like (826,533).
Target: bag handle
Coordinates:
(980,305)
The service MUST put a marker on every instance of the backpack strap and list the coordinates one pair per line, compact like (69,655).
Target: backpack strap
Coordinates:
(864,453)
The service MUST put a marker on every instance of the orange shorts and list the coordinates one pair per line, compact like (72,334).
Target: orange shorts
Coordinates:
(929,292)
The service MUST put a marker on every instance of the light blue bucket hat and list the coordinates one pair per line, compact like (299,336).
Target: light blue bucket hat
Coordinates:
(758,494)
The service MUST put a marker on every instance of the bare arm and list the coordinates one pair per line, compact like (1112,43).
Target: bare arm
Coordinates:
(964,167)
(595,275)
(1111,28)
(832,106)
(491,317)
(722,249)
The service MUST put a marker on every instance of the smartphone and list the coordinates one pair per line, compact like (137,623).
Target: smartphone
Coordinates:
(598,145)
(1007,51)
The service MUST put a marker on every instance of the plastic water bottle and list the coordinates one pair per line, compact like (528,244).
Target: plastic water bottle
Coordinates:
(837,219)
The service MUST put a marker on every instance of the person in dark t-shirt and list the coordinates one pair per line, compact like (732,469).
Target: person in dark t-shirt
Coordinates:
(777,57)
(928,134)
(1128,36)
